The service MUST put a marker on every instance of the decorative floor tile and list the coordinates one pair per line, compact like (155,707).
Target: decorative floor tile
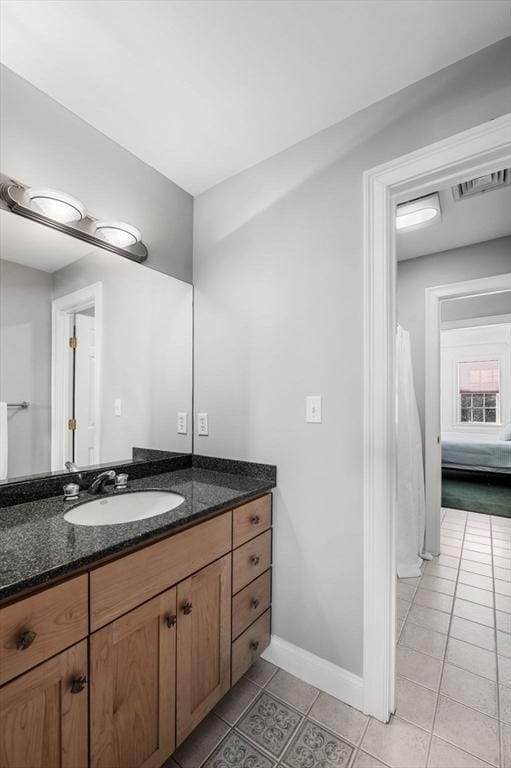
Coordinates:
(270,724)
(237,752)
(201,742)
(314,747)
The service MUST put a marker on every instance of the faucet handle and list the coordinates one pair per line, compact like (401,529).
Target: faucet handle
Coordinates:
(121,481)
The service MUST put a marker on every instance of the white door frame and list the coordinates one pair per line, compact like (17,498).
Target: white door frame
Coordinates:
(432,416)
(476,151)
(63,309)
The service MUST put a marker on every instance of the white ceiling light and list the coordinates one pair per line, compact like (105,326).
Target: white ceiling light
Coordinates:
(56,205)
(418,213)
(118,233)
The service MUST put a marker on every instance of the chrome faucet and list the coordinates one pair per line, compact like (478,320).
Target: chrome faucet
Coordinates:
(99,482)
(73,469)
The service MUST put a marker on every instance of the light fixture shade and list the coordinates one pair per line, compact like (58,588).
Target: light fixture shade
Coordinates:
(57,205)
(118,233)
(418,213)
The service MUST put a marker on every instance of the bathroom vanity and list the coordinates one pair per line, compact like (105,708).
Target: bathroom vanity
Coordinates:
(117,661)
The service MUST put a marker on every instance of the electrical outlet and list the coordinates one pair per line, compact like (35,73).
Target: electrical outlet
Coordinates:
(182,423)
(202,424)
(313,409)
(118,407)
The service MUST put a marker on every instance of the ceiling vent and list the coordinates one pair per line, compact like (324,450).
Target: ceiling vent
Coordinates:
(482,184)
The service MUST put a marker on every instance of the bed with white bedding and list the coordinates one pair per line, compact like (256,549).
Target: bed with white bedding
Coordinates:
(494,455)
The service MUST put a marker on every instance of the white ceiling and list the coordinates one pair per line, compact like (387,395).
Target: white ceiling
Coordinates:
(203,89)
(473,220)
(27,242)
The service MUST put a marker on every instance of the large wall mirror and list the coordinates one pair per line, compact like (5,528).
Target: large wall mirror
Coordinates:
(95,353)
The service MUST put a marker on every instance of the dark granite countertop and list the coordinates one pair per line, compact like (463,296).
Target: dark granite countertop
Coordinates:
(37,545)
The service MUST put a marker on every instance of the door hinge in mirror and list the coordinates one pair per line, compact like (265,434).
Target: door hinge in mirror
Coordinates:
(73,342)
(71,424)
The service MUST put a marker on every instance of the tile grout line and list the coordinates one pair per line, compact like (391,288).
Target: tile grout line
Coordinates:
(499,727)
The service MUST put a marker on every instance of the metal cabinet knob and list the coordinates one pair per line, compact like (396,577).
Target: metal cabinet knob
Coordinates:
(255,559)
(254,645)
(255,519)
(171,620)
(78,684)
(25,640)
(187,608)
(254,604)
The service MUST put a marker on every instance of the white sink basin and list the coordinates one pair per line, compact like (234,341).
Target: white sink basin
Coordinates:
(125,508)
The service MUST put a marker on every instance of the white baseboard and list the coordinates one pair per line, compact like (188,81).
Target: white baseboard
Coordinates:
(322,674)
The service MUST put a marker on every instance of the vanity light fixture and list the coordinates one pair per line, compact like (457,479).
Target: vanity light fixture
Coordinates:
(118,233)
(418,213)
(56,205)
(60,211)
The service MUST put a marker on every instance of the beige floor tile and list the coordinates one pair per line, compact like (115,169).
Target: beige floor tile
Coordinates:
(261,672)
(505,703)
(402,608)
(194,751)
(418,668)
(477,660)
(443,755)
(415,703)
(447,560)
(478,538)
(424,640)
(501,552)
(399,744)
(451,551)
(435,584)
(435,600)
(501,562)
(472,690)
(477,557)
(429,617)
(503,587)
(503,621)
(504,644)
(364,760)
(467,729)
(477,634)
(476,580)
(474,612)
(503,603)
(502,573)
(340,718)
(475,595)
(440,571)
(470,565)
(293,691)
(504,670)
(475,546)
(506,746)
(405,591)
(236,701)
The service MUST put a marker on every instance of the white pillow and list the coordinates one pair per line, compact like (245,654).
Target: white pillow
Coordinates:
(505,432)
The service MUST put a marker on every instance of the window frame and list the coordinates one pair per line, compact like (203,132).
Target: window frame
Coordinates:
(459,395)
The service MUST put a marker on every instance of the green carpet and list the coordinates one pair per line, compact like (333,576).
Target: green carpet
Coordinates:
(476,497)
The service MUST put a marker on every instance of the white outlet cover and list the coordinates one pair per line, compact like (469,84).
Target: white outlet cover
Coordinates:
(182,423)
(313,409)
(202,424)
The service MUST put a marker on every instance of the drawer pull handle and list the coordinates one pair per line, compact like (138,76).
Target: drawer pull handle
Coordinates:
(187,608)
(171,621)
(78,684)
(254,604)
(255,519)
(255,559)
(25,640)
(254,645)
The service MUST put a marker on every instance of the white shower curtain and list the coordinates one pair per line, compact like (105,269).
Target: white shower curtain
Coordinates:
(411,506)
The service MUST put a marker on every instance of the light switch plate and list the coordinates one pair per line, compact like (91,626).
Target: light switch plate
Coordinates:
(182,423)
(202,424)
(118,407)
(313,409)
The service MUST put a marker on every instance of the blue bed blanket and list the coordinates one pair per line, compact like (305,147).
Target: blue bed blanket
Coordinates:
(489,454)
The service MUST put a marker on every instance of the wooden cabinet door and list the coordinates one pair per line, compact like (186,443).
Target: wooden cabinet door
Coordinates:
(203,643)
(43,722)
(132,687)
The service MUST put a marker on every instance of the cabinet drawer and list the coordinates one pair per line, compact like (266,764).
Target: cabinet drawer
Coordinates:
(40,626)
(250,645)
(251,560)
(250,603)
(251,519)
(119,586)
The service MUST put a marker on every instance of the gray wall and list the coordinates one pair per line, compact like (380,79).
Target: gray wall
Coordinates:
(278,274)
(415,275)
(43,144)
(25,364)
(147,352)
(487,305)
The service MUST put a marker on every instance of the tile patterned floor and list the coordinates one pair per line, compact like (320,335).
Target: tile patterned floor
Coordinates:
(453,684)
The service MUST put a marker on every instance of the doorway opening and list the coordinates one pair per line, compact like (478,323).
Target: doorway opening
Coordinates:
(474,153)
(76,375)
